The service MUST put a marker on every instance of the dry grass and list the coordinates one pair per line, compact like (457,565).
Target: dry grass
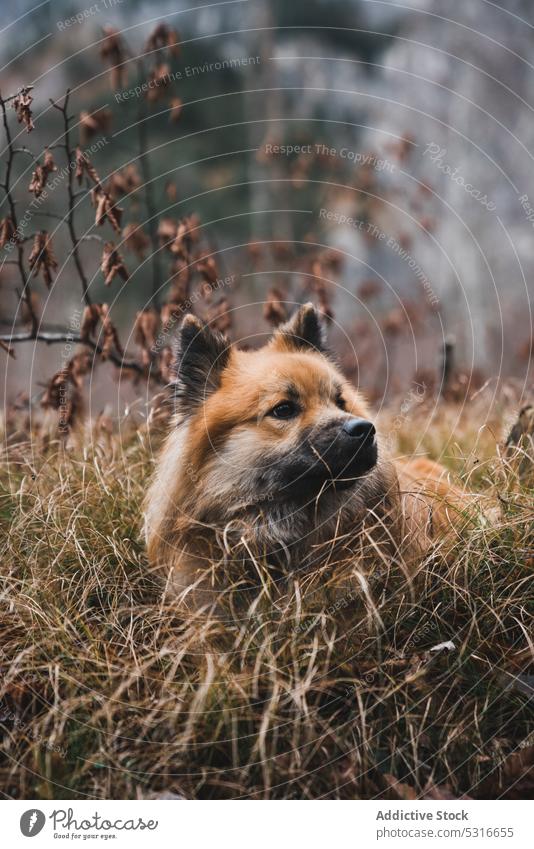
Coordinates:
(316,692)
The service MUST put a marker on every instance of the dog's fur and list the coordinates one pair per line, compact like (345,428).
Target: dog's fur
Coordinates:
(230,473)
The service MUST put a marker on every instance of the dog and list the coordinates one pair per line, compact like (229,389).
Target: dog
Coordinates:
(273,450)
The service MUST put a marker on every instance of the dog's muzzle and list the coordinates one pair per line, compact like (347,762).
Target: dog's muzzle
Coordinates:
(336,454)
(354,452)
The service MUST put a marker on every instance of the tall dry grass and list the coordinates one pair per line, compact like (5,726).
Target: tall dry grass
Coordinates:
(309,690)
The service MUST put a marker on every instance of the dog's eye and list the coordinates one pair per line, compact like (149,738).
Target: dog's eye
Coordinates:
(341,403)
(285,410)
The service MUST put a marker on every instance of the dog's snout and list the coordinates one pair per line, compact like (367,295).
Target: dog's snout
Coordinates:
(360,429)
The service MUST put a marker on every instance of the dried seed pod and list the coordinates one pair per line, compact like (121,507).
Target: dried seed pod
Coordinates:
(219,316)
(282,250)
(255,251)
(159,79)
(113,51)
(22,105)
(79,366)
(167,231)
(30,308)
(164,37)
(274,310)
(63,391)
(180,280)
(42,257)
(112,264)
(91,316)
(94,123)
(167,365)
(84,166)
(109,331)
(369,288)
(41,173)
(181,245)
(207,267)
(332,259)
(146,325)
(136,240)
(171,191)
(123,182)
(175,111)
(393,323)
(105,208)
(8,232)
(325,307)
(171,312)
(89,323)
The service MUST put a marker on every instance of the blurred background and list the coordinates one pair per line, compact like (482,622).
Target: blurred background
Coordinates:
(373,157)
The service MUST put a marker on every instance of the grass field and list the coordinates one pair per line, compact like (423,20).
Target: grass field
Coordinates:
(108,692)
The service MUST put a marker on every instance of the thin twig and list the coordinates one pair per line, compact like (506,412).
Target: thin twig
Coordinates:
(53,338)
(71,194)
(142,117)
(25,278)
(13,96)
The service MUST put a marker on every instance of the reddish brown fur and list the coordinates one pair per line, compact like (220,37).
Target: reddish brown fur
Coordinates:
(204,481)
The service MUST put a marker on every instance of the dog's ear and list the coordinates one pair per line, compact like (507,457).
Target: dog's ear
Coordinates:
(303,331)
(201,356)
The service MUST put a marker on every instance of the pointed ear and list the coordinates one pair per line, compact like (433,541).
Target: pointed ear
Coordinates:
(303,331)
(201,357)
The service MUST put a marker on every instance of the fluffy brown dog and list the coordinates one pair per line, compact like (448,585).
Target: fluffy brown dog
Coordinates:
(275,451)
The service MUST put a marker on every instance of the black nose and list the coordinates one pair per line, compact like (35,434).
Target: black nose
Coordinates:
(359,429)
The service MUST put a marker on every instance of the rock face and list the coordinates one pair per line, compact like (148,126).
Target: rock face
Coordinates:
(460,80)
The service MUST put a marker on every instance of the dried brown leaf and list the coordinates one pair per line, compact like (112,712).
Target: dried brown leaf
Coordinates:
(112,263)
(42,257)
(22,105)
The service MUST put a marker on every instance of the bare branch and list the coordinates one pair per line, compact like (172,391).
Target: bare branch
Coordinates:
(53,338)
(14,96)
(25,278)
(142,117)
(26,151)
(71,194)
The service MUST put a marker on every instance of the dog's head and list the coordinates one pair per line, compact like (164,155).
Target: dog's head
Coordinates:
(273,425)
